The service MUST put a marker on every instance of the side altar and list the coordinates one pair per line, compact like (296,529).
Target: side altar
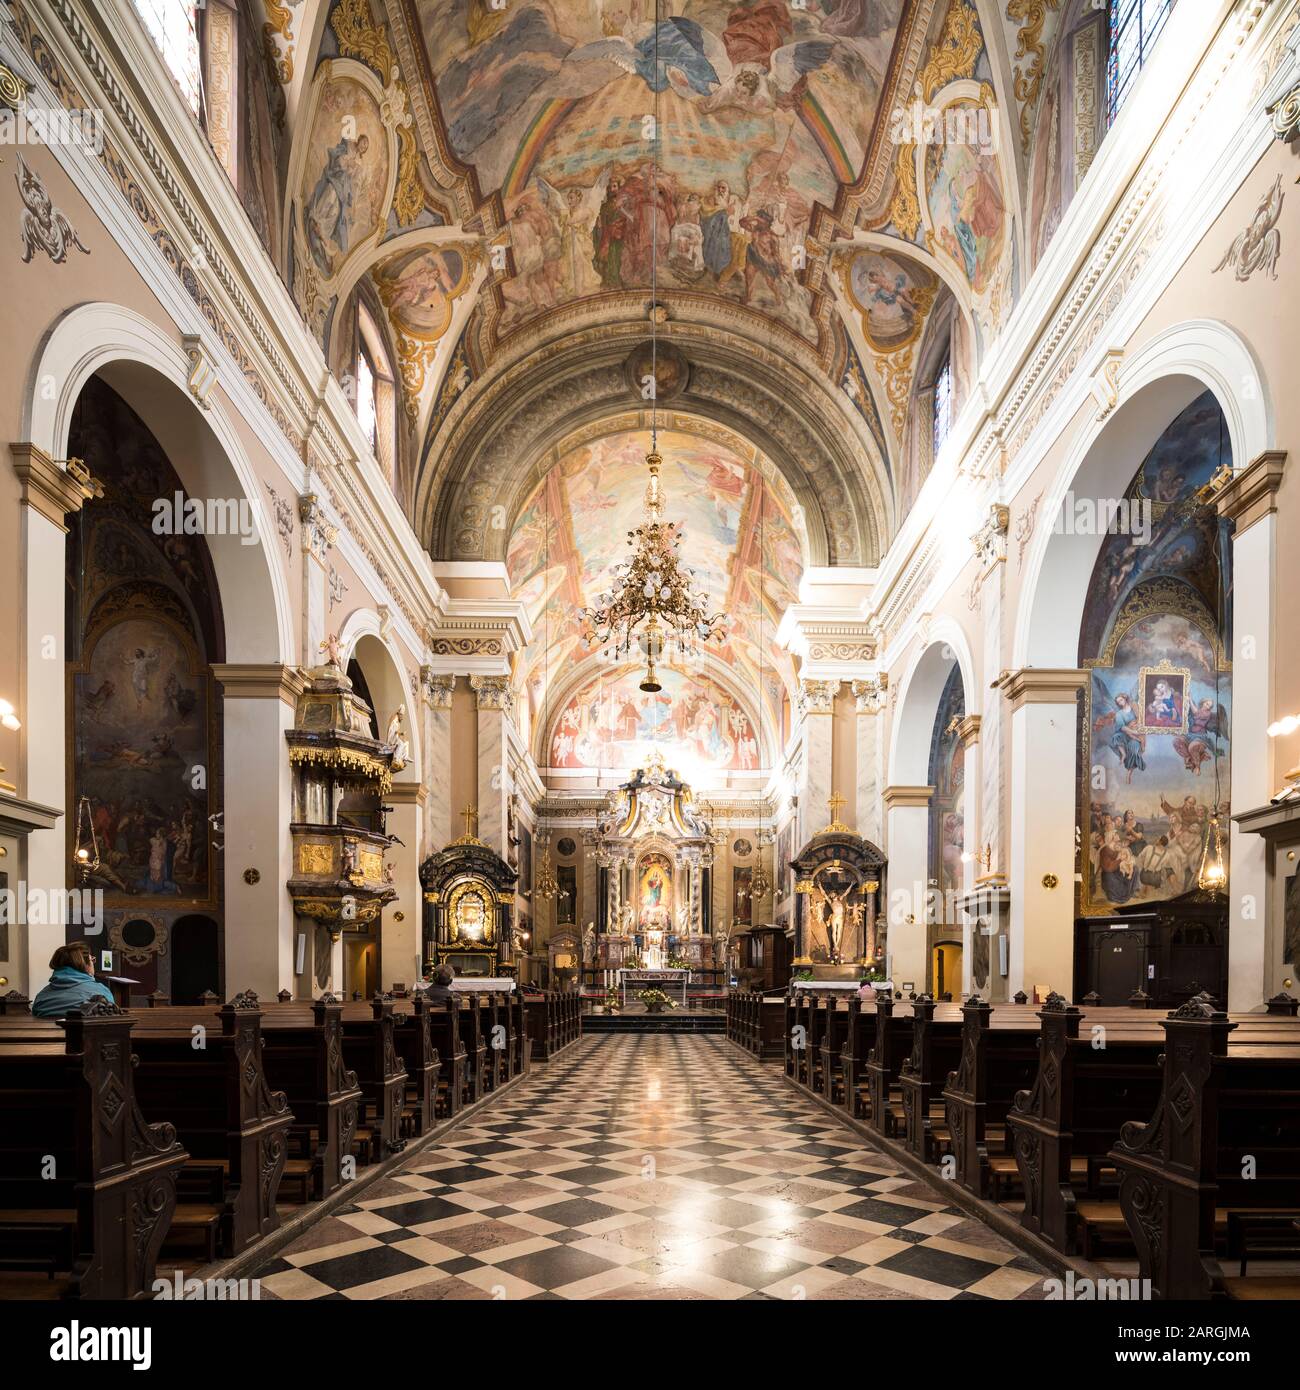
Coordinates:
(839,929)
(469,894)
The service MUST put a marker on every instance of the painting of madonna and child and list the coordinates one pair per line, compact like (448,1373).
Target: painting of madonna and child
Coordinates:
(1156,738)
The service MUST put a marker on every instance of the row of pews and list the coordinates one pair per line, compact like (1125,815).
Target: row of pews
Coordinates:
(755,1022)
(1113,1132)
(128,1129)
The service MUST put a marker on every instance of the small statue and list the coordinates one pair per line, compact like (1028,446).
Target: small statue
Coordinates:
(349,858)
(333,650)
(396,739)
(389,873)
(589,942)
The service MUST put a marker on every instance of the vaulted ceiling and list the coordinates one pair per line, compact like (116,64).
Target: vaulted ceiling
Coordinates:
(845,193)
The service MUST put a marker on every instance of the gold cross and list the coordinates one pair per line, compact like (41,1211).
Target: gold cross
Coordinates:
(835,801)
(471,814)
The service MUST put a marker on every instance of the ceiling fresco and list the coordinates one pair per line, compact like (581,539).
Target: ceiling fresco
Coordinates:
(764,111)
(743,538)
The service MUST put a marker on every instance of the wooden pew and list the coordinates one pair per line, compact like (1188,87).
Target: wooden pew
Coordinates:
(303,1055)
(234,1126)
(999,1058)
(936,1049)
(1098,1069)
(413,1038)
(859,1031)
(833,1034)
(1224,1138)
(476,1081)
(370,1052)
(105,1212)
(892,1045)
(444,1033)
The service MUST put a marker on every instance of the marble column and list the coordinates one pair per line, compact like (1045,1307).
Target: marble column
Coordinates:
(816,703)
(495,701)
(869,697)
(988,598)
(907,810)
(318,534)
(400,943)
(437,820)
(257,849)
(50,491)
(1044,739)
(1250,500)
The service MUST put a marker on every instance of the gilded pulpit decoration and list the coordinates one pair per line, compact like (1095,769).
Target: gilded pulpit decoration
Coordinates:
(341,775)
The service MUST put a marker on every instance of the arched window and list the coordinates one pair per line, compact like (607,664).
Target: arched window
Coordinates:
(941,409)
(1135,26)
(376,399)
(171,25)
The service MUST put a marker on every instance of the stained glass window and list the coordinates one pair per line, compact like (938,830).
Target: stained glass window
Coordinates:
(1135,26)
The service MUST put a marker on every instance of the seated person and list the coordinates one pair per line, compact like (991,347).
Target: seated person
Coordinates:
(72,984)
(439,991)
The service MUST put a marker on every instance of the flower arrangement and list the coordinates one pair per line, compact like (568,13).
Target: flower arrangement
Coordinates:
(611,1001)
(678,963)
(655,1000)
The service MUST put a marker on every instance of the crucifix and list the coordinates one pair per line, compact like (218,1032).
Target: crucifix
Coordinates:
(471,821)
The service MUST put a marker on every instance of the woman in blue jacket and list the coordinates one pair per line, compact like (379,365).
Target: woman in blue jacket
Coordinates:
(72,984)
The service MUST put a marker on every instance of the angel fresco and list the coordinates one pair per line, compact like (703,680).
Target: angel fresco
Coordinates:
(329,213)
(574,212)
(1207,726)
(1121,726)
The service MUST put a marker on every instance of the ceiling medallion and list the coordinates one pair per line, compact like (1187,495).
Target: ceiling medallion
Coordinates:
(653,598)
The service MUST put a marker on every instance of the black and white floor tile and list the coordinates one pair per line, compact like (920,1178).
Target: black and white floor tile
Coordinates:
(655,1166)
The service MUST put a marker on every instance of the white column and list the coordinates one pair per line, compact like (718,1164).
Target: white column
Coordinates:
(817,704)
(907,811)
(400,936)
(257,845)
(870,700)
(437,822)
(1044,737)
(1251,501)
(49,493)
(495,700)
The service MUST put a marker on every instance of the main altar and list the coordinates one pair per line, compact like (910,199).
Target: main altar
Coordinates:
(654,850)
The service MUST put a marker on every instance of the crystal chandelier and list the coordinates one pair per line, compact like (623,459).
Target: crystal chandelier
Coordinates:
(652,594)
(653,598)
(545,885)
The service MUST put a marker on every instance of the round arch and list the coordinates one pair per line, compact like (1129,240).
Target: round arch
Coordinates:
(151,373)
(1154,385)
(362,640)
(918,701)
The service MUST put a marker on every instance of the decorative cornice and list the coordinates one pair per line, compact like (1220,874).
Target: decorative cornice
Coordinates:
(51,488)
(1251,495)
(1041,685)
(407,794)
(437,687)
(968,730)
(906,797)
(252,682)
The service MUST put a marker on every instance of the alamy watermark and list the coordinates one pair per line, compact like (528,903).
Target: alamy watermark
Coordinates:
(39,125)
(918,123)
(1105,516)
(179,515)
(66,907)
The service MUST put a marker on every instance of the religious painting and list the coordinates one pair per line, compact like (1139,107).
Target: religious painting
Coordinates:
(696,724)
(967,207)
(654,894)
(566,899)
(1164,698)
(419,289)
(747,543)
(947,774)
(764,110)
(345,181)
(1155,757)
(893,295)
(742,897)
(141,755)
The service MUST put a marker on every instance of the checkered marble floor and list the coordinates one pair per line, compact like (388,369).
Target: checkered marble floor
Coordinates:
(661,1166)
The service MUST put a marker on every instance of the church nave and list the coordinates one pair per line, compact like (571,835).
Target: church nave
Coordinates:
(755,1193)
